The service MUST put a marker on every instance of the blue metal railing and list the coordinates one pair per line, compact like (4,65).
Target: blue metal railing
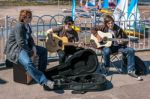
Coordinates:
(40,24)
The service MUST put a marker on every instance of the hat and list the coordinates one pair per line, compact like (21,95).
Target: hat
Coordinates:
(68,19)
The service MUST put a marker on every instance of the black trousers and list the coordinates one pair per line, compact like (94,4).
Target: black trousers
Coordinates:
(68,50)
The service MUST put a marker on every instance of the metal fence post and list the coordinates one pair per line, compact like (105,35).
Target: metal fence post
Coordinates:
(6,25)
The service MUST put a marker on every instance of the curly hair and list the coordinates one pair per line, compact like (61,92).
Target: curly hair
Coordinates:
(24,14)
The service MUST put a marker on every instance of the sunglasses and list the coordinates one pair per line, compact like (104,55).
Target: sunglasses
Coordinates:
(69,23)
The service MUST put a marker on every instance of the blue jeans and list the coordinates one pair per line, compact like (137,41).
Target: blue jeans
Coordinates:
(29,66)
(128,52)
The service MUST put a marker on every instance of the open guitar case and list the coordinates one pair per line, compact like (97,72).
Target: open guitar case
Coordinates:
(79,73)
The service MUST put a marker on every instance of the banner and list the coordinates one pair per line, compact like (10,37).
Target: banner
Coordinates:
(105,4)
(91,3)
(86,7)
(99,5)
(121,13)
(81,3)
(133,13)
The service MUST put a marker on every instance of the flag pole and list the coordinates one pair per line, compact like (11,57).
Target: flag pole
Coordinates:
(73,8)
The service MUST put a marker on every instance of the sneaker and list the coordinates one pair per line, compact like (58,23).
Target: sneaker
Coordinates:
(48,86)
(59,83)
(132,74)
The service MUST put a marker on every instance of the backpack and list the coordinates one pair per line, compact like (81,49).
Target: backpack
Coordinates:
(79,73)
(140,67)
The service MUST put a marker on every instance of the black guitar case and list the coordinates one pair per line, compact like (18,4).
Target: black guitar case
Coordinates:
(79,73)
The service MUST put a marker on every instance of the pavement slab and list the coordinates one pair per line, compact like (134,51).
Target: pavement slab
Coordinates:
(123,87)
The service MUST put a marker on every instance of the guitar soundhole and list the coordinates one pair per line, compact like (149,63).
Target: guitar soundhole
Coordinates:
(60,43)
(102,42)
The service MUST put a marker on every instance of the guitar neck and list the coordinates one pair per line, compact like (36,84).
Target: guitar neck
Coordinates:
(114,39)
(74,43)
(123,39)
(79,44)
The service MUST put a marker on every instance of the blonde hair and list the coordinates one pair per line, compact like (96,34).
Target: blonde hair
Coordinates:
(24,13)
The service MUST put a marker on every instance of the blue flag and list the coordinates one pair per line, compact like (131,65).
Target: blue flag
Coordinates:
(105,4)
(133,12)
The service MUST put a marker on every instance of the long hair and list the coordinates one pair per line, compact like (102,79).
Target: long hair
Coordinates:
(107,19)
(24,13)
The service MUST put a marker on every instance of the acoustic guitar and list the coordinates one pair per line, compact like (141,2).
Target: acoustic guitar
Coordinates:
(54,42)
(108,38)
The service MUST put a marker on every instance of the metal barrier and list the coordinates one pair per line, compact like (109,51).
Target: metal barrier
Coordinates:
(40,24)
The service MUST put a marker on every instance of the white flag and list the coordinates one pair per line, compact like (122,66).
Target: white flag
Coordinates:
(120,13)
(91,3)
(81,3)
(133,13)
(99,4)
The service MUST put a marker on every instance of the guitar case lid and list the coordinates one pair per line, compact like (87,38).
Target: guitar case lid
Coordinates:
(81,62)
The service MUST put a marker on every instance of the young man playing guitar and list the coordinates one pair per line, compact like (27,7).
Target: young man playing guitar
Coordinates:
(116,46)
(68,32)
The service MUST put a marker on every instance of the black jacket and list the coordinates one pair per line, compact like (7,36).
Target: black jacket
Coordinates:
(17,41)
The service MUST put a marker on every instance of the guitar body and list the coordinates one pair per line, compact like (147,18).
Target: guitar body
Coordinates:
(55,43)
(103,35)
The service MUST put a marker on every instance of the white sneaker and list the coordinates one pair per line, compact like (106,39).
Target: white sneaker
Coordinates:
(132,74)
(48,86)
(139,78)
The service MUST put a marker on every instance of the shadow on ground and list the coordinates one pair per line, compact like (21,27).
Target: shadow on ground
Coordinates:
(2,81)
(147,64)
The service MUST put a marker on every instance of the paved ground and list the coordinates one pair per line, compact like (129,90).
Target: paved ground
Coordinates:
(124,87)
(13,11)
(37,10)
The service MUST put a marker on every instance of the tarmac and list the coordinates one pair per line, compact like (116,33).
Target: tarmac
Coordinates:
(123,86)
